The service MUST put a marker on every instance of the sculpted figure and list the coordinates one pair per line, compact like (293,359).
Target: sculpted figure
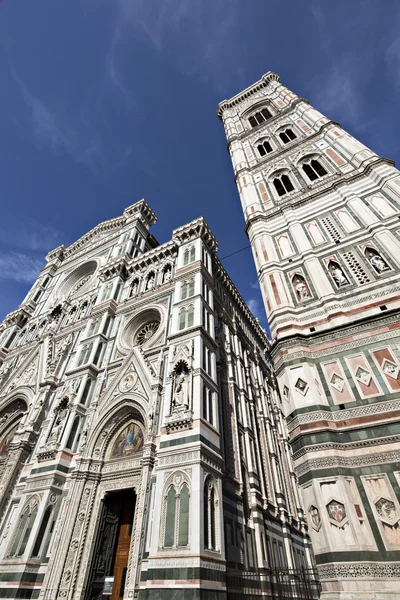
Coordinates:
(301,288)
(181,388)
(338,275)
(167,275)
(377,261)
(150,281)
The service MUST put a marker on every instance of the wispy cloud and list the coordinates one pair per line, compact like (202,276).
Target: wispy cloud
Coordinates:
(339,88)
(31,236)
(255,308)
(58,133)
(204,35)
(392,54)
(20,267)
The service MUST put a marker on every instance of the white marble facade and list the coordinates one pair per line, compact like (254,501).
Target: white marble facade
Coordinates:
(137,366)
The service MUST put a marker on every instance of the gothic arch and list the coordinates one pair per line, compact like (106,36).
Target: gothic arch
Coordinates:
(10,418)
(176,485)
(75,282)
(125,409)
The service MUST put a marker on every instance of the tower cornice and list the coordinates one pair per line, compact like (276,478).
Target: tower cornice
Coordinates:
(252,89)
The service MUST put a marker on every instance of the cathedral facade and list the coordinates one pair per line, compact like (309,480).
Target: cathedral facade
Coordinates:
(322,215)
(143,445)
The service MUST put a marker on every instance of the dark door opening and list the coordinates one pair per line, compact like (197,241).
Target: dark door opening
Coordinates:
(111,551)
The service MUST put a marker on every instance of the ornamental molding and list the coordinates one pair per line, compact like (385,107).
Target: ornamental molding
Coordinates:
(182,458)
(357,570)
(351,462)
(308,353)
(360,300)
(344,415)
(395,439)
(190,561)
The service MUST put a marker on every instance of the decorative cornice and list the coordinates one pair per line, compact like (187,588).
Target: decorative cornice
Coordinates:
(250,91)
(349,462)
(197,228)
(343,415)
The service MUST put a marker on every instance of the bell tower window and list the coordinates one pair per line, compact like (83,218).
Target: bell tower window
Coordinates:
(260,117)
(283,185)
(264,148)
(287,136)
(314,170)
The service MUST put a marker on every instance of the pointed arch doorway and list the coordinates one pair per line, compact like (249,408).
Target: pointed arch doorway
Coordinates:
(112,545)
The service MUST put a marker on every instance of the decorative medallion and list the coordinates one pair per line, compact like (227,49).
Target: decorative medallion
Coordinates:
(146,332)
(315,517)
(390,368)
(337,382)
(363,376)
(337,513)
(127,383)
(301,386)
(387,511)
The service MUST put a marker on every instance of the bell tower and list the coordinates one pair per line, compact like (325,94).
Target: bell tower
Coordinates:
(322,215)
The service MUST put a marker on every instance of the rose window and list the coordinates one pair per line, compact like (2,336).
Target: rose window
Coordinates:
(146,332)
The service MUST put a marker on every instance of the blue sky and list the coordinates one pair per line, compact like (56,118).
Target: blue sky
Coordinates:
(104,102)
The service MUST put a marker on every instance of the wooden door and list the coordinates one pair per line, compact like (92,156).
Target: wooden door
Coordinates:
(123,543)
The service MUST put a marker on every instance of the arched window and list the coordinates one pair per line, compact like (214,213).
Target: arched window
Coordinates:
(23,529)
(264,148)
(186,317)
(182,318)
(314,170)
(283,185)
(190,316)
(98,353)
(85,354)
(259,117)
(176,515)
(189,255)
(169,535)
(73,437)
(183,534)
(287,135)
(187,289)
(43,530)
(86,392)
(210,514)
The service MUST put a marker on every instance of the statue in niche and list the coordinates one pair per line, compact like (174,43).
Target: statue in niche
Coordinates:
(376,260)
(58,424)
(338,275)
(150,281)
(181,387)
(301,287)
(167,274)
(134,287)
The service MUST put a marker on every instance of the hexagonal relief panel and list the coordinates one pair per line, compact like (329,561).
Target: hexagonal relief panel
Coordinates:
(387,511)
